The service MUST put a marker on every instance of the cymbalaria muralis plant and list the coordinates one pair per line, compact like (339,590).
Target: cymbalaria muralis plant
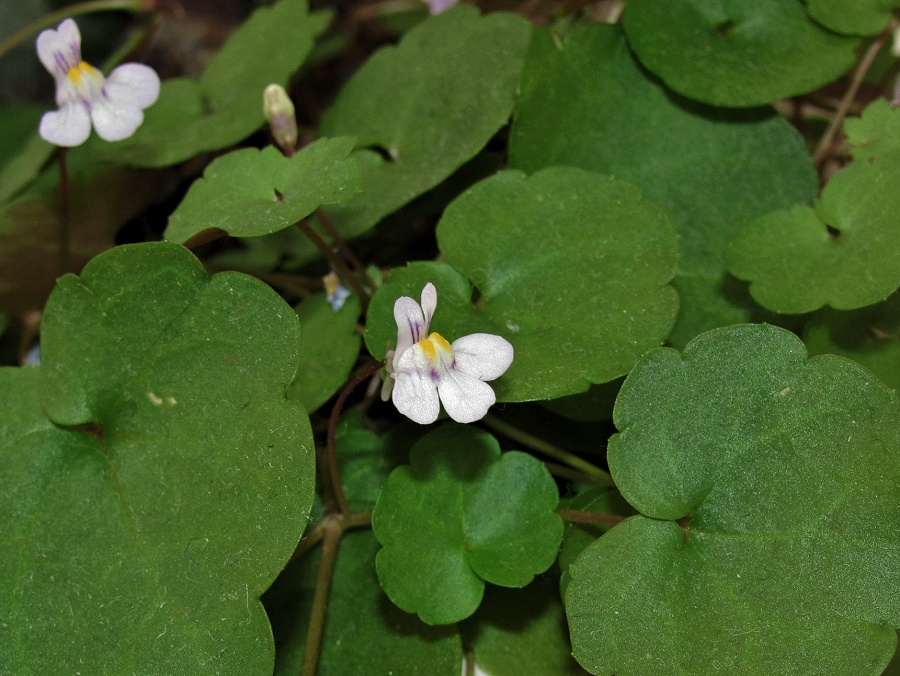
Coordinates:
(643,421)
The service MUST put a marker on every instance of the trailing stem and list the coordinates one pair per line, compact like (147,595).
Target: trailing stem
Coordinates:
(597,474)
(64,228)
(337,262)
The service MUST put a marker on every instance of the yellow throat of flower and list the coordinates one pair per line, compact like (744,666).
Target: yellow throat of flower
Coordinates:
(434,345)
(83,69)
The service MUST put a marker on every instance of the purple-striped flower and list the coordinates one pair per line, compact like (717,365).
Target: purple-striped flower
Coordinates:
(114,104)
(426,370)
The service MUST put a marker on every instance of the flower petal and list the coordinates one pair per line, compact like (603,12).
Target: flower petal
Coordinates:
(429,303)
(465,398)
(134,85)
(482,355)
(115,121)
(60,49)
(69,126)
(411,325)
(416,396)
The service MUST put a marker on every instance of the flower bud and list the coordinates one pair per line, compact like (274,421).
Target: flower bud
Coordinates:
(279,112)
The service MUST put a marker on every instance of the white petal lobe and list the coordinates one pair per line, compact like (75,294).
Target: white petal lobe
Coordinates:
(416,396)
(69,126)
(483,355)
(465,398)
(411,325)
(115,122)
(133,85)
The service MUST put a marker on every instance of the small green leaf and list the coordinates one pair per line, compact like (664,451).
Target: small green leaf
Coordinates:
(783,473)
(461,515)
(736,53)
(794,264)
(430,104)
(224,105)
(521,632)
(875,132)
(253,192)
(364,632)
(587,103)
(853,17)
(156,479)
(328,350)
(22,151)
(870,336)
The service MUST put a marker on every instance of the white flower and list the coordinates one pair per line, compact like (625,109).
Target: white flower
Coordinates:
(426,370)
(115,103)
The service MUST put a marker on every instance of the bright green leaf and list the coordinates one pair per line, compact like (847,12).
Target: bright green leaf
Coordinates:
(587,103)
(364,632)
(575,314)
(521,632)
(853,17)
(460,515)
(870,336)
(875,132)
(155,477)
(253,192)
(783,473)
(224,105)
(736,52)
(430,104)
(328,350)
(794,264)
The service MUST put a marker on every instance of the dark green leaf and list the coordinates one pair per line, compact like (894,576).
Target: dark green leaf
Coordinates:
(429,104)
(586,103)
(155,477)
(736,52)
(783,474)
(328,350)
(853,17)
(459,515)
(253,192)
(875,132)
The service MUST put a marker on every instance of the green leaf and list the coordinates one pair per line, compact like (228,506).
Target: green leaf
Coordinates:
(155,477)
(853,17)
(870,336)
(521,632)
(253,192)
(875,132)
(364,632)
(328,350)
(430,104)
(794,264)
(783,473)
(575,315)
(736,53)
(587,103)
(461,515)
(224,105)
(22,151)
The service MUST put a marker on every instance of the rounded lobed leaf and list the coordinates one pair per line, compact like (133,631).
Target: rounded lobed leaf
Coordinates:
(157,477)
(429,104)
(875,132)
(587,103)
(853,17)
(250,192)
(782,472)
(737,53)
(461,515)
(795,264)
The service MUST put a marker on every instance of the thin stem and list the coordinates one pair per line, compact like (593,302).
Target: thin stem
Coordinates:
(824,148)
(590,518)
(333,470)
(336,261)
(54,18)
(345,248)
(64,226)
(600,476)
(312,538)
(330,543)
(568,473)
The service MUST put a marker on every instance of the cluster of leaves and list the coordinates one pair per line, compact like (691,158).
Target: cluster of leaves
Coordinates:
(706,345)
